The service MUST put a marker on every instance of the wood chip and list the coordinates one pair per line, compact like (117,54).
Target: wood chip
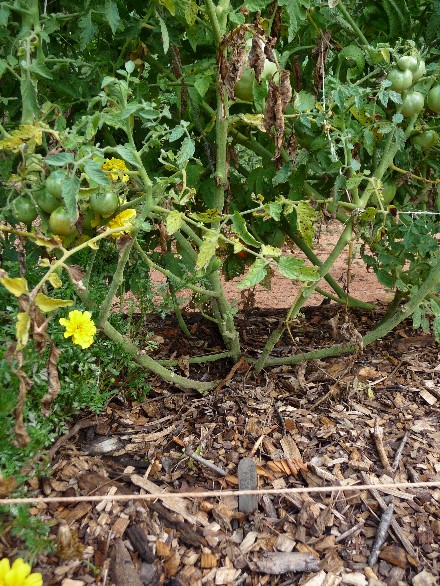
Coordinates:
(275,563)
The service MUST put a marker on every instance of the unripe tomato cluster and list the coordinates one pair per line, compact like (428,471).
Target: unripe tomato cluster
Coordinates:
(410,69)
(49,199)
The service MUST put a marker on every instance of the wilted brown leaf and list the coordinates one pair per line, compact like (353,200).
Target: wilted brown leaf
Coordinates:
(53,380)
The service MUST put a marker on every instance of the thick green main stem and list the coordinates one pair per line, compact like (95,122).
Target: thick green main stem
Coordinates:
(389,152)
(305,293)
(429,285)
(152,365)
(221,307)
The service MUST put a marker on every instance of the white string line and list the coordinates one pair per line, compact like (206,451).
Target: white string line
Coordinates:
(215,493)
(421,213)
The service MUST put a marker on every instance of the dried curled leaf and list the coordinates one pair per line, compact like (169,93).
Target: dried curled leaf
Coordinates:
(22,327)
(53,380)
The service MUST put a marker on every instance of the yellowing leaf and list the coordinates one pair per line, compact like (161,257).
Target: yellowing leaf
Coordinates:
(174,221)
(48,243)
(22,329)
(55,281)
(17,286)
(46,303)
(24,133)
(169,5)
(207,250)
(270,251)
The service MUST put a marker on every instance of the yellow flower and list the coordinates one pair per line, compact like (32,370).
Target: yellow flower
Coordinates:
(19,574)
(121,220)
(116,168)
(81,327)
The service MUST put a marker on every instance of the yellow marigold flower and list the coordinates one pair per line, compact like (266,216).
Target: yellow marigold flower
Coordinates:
(81,327)
(121,220)
(19,574)
(115,168)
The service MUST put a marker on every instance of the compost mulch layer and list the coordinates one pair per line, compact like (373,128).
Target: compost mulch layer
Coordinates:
(367,418)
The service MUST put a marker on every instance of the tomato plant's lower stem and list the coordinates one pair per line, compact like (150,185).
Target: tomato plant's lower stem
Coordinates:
(153,365)
(305,293)
(429,285)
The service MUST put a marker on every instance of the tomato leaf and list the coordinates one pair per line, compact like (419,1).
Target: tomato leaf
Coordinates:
(296,270)
(17,286)
(47,304)
(164,33)
(22,327)
(69,192)
(59,160)
(95,173)
(257,272)
(127,155)
(87,30)
(305,218)
(207,250)
(112,15)
(187,150)
(240,228)
(174,221)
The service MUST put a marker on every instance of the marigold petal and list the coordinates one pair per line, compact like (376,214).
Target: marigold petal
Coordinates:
(35,579)
(5,566)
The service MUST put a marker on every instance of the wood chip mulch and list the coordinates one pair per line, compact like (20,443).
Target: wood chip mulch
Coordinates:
(367,418)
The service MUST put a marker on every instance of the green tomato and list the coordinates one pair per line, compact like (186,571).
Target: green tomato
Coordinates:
(389,189)
(420,71)
(408,62)
(24,210)
(400,80)
(60,222)
(243,87)
(426,140)
(104,203)
(434,99)
(47,201)
(413,103)
(54,183)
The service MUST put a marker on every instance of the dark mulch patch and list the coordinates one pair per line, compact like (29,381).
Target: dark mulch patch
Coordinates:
(330,422)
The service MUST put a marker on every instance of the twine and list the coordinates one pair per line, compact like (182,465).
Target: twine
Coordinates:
(215,493)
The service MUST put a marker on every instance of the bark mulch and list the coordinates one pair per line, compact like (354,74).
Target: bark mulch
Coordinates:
(367,418)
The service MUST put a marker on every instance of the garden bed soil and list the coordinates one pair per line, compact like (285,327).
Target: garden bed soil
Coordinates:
(367,418)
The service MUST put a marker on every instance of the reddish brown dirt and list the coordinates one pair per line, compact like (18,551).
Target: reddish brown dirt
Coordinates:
(363,283)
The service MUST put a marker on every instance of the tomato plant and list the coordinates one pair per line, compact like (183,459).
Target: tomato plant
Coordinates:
(426,140)
(104,203)
(408,62)
(400,80)
(24,210)
(60,222)
(47,201)
(54,183)
(413,103)
(434,99)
